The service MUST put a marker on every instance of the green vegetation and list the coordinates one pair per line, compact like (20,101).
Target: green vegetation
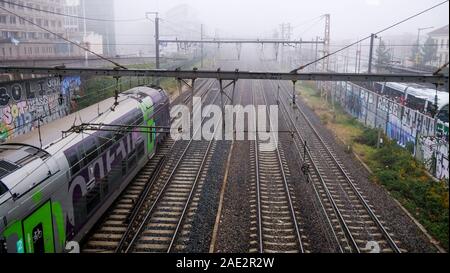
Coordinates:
(393,166)
(97,89)
(406,179)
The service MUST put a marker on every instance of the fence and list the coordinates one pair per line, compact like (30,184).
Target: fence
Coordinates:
(408,127)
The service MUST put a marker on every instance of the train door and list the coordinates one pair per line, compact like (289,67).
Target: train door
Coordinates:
(147,109)
(38,230)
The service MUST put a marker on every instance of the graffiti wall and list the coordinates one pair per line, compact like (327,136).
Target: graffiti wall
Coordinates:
(24,105)
(408,127)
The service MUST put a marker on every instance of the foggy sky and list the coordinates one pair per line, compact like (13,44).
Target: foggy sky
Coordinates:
(350,19)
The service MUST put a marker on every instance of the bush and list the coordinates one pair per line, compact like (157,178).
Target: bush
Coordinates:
(368,137)
(405,178)
(324,119)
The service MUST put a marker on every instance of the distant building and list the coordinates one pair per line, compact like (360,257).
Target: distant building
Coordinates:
(440,37)
(182,23)
(20,39)
(77,29)
(101,9)
(400,47)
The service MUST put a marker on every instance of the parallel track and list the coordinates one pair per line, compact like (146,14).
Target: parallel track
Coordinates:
(159,227)
(356,226)
(277,225)
(118,222)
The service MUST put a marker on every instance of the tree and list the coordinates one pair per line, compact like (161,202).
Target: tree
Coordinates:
(383,55)
(428,52)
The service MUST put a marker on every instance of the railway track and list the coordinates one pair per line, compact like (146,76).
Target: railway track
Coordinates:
(277,228)
(108,236)
(161,223)
(355,224)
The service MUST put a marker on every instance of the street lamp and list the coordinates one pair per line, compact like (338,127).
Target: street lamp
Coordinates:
(418,42)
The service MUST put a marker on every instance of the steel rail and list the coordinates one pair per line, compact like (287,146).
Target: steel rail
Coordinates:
(286,186)
(141,201)
(258,190)
(194,185)
(344,226)
(389,239)
(327,192)
(150,211)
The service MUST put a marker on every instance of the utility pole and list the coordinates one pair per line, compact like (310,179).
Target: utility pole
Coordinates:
(201,46)
(157,63)
(372,38)
(359,57)
(315,58)
(157,41)
(282,46)
(86,57)
(326,45)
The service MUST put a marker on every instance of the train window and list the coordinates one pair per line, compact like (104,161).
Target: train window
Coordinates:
(93,198)
(74,162)
(3,188)
(106,141)
(140,149)
(90,151)
(118,136)
(131,162)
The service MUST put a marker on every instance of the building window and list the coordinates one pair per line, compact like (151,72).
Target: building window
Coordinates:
(3,19)
(12,20)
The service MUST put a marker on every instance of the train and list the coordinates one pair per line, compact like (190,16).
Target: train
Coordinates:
(51,196)
(422,99)
(415,96)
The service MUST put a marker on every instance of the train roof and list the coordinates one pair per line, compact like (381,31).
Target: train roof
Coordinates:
(52,132)
(23,152)
(421,92)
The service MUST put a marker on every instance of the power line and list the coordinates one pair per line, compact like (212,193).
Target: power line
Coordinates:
(65,39)
(363,39)
(71,16)
(307,21)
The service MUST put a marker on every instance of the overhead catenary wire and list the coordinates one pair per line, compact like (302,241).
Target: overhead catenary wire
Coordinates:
(70,15)
(63,38)
(367,37)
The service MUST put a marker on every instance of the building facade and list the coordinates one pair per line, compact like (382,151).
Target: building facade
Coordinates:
(20,38)
(440,37)
(103,10)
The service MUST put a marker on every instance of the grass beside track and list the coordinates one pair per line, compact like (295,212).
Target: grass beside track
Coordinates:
(392,166)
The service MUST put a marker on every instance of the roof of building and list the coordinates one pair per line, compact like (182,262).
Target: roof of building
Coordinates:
(440,31)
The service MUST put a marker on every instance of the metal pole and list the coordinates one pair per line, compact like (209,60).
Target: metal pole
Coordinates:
(359,58)
(157,45)
(201,46)
(372,37)
(293,92)
(315,58)
(86,57)
(157,41)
